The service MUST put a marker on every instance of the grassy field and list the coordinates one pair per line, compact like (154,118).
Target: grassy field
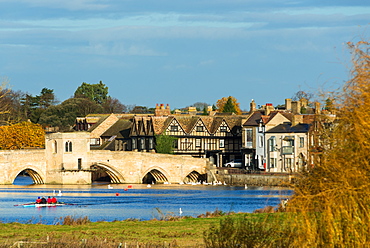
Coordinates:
(184,232)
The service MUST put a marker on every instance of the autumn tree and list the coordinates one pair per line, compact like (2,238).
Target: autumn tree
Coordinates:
(22,135)
(228,105)
(331,201)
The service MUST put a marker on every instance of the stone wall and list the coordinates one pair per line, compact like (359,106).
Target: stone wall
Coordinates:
(276,179)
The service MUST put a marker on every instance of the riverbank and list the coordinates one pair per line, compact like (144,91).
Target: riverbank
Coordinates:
(71,232)
(238,177)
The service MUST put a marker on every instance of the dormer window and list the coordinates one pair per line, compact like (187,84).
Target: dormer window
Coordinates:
(199,128)
(174,128)
(223,129)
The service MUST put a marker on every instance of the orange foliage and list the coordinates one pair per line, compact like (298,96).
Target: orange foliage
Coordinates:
(22,135)
(220,104)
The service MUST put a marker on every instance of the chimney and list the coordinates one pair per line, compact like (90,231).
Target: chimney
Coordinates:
(317,108)
(296,107)
(304,102)
(297,119)
(288,104)
(252,107)
(161,111)
(269,108)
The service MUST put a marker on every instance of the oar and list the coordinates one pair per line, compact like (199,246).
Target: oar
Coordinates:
(24,204)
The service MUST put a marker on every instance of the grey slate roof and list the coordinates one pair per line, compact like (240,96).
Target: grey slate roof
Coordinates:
(288,128)
(121,129)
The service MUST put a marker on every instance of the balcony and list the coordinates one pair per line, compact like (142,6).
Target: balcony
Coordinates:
(287,150)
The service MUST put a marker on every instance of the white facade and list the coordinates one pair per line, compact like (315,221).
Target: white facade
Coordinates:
(286,152)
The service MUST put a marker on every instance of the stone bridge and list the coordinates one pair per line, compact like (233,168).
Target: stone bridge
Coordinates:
(67,159)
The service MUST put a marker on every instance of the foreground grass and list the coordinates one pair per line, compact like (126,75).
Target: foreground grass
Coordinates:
(184,232)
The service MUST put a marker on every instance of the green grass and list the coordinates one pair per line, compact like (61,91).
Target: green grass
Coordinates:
(184,232)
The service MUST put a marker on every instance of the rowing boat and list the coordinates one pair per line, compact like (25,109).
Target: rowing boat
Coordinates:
(40,205)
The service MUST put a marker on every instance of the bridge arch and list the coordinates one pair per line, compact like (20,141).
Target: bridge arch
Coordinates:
(155,175)
(32,172)
(115,176)
(194,177)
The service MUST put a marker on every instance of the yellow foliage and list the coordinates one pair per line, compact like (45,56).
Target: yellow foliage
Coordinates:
(220,104)
(22,135)
(332,201)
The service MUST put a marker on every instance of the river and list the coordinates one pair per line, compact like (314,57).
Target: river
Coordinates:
(100,202)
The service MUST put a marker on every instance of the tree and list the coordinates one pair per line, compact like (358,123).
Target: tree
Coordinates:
(228,105)
(34,106)
(4,108)
(64,115)
(200,105)
(113,105)
(46,98)
(22,135)
(164,143)
(12,101)
(95,92)
(302,95)
(140,110)
(332,199)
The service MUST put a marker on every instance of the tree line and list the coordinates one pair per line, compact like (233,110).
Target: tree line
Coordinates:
(46,110)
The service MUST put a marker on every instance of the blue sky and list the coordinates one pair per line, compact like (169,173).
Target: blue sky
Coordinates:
(180,52)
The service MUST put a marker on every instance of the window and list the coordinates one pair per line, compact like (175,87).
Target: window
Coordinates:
(249,137)
(197,142)
(272,144)
(223,129)
(79,163)
(133,144)
(174,128)
(151,143)
(95,141)
(68,146)
(288,163)
(55,146)
(199,128)
(272,162)
(142,144)
(222,143)
(301,141)
(260,141)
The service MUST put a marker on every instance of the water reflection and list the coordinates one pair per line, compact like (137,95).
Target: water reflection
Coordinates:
(99,202)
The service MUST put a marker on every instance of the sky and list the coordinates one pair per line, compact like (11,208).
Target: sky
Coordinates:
(180,52)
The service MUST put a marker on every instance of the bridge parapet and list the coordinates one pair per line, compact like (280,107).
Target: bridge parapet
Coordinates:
(67,159)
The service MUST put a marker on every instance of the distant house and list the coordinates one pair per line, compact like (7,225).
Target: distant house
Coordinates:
(287,147)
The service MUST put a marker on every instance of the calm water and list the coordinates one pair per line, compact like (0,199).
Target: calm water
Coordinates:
(140,202)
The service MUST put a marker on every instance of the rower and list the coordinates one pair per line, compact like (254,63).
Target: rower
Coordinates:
(38,200)
(54,200)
